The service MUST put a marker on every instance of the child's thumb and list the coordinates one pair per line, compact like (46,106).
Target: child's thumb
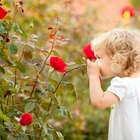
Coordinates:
(88,61)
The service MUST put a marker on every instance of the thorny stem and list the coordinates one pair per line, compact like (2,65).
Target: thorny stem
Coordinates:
(16,68)
(36,79)
(49,107)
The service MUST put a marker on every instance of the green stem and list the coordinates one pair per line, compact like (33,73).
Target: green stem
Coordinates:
(15,82)
(3,45)
(51,74)
(36,79)
(49,107)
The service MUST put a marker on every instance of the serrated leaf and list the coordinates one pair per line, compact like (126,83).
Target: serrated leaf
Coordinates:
(12,48)
(29,106)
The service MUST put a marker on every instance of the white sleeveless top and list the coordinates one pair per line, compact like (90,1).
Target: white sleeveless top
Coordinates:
(124,121)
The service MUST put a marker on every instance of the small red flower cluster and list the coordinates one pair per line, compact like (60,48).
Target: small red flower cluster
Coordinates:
(129,10)
(3,12)
(89,54)
(26,119)
(58,64)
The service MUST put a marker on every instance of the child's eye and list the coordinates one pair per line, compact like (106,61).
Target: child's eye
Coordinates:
(98,57)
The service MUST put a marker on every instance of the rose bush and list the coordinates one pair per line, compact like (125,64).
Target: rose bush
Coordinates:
(27,81)
(30,34)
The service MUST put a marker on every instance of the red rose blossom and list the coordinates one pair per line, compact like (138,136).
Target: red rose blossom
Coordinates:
(3,13)
(89,54)
(128,9)
(58,64)
(26,119)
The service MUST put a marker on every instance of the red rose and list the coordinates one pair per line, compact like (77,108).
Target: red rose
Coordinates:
(3,12)
(128,9)
(89,54)
(58,64)
(26,119)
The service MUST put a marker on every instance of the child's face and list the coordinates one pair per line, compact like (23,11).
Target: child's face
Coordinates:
(104,62)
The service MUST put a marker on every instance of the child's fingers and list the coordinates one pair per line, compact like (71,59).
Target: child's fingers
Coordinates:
(88,61)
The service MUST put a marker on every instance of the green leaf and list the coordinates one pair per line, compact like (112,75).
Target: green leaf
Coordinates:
(29,106)
(12,48)
(65,112)
(60,136)
(49,137)
(2,29)
(53,97)
(79,60)
(50,87)
(57,135)
(3,133)
(16,28)
(4,117)
(45,129)
(56,53)
(2,70)
(20,66)
(59,91)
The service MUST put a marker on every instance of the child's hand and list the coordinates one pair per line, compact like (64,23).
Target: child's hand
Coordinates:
(92,68)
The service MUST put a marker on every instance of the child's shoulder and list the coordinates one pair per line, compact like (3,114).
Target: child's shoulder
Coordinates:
(126,81)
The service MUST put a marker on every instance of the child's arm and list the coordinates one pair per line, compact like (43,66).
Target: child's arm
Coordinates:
(99,99)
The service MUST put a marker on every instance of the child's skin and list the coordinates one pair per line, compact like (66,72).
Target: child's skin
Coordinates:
(100,99)
(102,66)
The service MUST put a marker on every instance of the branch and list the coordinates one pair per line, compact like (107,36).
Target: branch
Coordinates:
(49,107)
(36,79)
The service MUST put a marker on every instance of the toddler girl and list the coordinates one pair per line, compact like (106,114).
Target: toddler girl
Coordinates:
(118,56)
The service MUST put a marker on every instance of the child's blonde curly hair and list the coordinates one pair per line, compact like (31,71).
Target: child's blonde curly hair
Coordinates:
(123,47)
